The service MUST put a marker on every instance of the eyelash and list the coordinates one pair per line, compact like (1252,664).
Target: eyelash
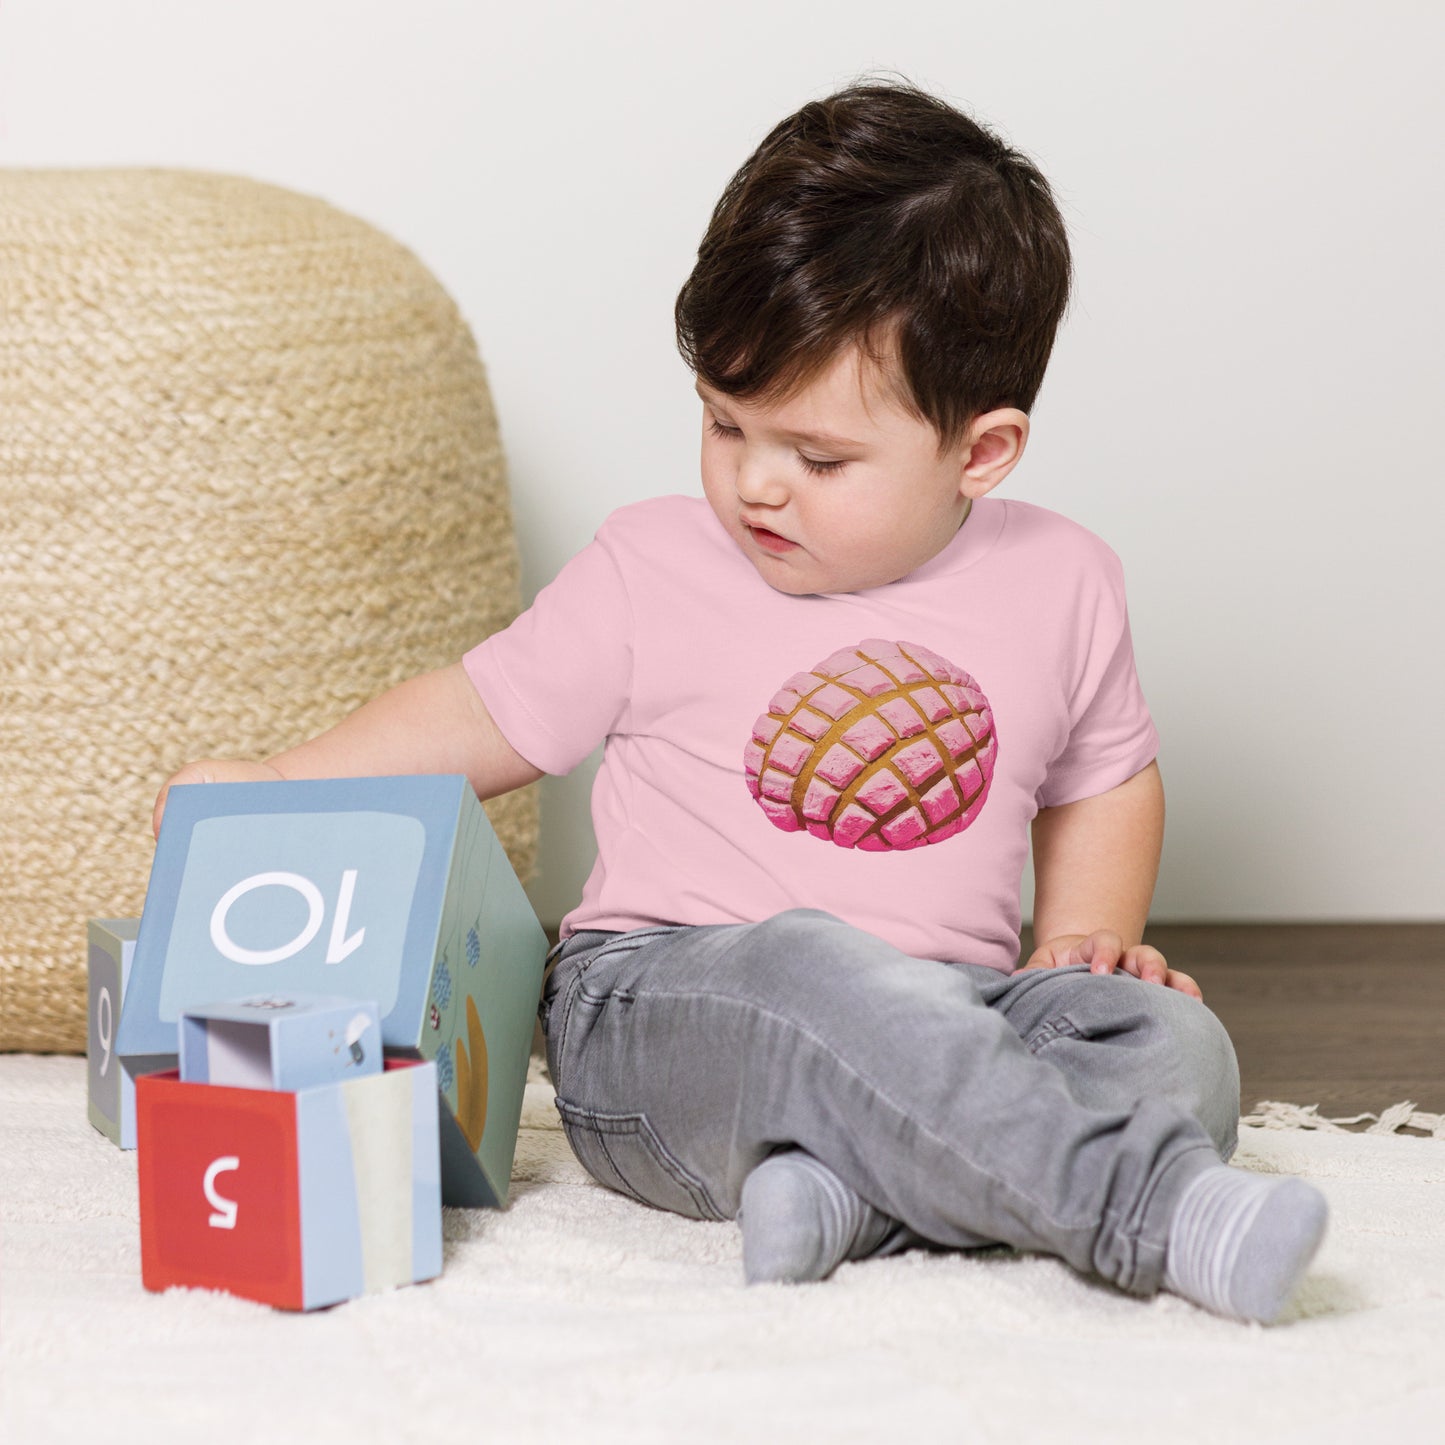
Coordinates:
(718,430)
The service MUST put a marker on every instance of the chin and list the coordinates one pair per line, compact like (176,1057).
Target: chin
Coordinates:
(792,586)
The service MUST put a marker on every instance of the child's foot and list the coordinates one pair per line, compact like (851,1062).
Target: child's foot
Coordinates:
(800,1221)
(1240,1243)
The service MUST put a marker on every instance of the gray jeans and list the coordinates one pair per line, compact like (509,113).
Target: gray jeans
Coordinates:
(1052,1110)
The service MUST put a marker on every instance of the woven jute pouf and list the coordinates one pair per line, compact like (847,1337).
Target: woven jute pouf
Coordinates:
(250,476)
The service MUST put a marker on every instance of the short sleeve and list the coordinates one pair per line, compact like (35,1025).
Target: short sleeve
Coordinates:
(1111,733)
(557,681)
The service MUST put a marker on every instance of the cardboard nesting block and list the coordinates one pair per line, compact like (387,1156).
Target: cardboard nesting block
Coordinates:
(297,1199)
(111,1079)
(275,1042)
(392,889)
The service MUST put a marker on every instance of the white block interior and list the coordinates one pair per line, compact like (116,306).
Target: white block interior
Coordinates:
(238,1054)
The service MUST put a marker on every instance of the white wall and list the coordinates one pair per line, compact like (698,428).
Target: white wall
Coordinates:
(1243,401)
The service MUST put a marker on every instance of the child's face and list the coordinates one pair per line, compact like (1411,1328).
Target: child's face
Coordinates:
(884,503)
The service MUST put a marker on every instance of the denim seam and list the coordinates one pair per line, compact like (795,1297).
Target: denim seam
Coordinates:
(621,1178)
(1110,1216)
(1048,1032)
(600,1123)
(880,1093)
(653,1143)
(575,990)
(1137,1243)
(569,1123)
(1051,1029)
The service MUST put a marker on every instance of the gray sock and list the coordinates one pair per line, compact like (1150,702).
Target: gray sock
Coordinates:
(800,1221)
(1239,1243)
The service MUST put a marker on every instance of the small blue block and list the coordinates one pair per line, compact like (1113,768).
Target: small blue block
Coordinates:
(286,1042)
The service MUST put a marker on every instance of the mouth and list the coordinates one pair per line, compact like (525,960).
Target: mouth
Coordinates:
(770,541)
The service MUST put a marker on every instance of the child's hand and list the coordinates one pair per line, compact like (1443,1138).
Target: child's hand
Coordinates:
(1104,951)
(213,770)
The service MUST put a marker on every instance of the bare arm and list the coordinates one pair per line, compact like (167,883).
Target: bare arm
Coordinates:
(434,723)
(1096,860)
(1095,865)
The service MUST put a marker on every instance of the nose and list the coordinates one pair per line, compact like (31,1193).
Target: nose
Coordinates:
(759,484)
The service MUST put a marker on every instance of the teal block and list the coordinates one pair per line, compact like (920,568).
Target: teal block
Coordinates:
(391,889)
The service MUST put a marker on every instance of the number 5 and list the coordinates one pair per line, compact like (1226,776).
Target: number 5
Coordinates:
(225,1215)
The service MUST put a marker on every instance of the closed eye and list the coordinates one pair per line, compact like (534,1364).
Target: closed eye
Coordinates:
(728,432)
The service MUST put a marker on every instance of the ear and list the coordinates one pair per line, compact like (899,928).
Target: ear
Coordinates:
(991,450)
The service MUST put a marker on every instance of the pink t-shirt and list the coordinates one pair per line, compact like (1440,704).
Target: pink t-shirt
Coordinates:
(877,754)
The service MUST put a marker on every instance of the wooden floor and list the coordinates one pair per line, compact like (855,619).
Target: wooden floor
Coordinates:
(1348,1016)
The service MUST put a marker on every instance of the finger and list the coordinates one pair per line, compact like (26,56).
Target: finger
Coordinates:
(1044,957)
(1184,984)
(158,812)
(1101,950)
(1146,963)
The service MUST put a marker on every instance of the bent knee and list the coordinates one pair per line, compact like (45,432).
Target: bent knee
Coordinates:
(1207,1067)
(1177,1048)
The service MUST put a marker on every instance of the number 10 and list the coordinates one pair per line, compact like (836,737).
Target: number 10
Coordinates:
(338,946)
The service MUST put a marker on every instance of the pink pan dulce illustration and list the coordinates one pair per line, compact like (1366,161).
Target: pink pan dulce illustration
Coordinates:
(881,746)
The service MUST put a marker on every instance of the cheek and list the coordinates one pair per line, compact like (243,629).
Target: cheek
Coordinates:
(712,479)
(858,516)
(712,463)
(718,490)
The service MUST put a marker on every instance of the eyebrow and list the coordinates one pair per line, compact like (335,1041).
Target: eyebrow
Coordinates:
(818,438)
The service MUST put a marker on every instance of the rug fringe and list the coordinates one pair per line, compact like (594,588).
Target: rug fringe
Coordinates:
(1271,1114)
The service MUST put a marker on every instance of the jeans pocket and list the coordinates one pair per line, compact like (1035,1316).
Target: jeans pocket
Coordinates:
(624,1152)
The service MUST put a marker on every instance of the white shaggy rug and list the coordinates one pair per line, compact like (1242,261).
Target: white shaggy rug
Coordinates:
(577,1315)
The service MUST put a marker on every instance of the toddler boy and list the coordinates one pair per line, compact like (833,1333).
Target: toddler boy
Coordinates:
(838,691)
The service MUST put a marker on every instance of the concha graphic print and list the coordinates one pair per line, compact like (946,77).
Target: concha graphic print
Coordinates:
(881,746)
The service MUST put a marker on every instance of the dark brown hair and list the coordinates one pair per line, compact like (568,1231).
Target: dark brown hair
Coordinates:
(884,217)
